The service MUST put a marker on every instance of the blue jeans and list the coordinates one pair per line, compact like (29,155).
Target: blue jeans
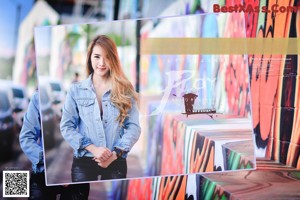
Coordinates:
(39,190)
(85,169)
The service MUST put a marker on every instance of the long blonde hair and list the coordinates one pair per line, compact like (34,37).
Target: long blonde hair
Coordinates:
(122,90)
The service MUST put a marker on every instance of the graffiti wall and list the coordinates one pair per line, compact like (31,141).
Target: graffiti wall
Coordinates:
(230,185)
(274,86)
(184,82)
(275,96)
(219,81)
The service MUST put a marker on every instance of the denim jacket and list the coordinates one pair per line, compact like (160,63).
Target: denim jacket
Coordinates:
(30,135)
(81,123)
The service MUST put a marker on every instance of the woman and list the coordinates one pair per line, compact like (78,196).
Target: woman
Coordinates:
(100,118)
(31,144)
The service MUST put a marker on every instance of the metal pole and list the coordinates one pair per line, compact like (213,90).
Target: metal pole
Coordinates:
(116,9)
(138,46)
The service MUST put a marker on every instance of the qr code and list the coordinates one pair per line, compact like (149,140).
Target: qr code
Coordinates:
(15,183)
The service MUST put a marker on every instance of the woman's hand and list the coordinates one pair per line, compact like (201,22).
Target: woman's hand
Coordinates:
(100,153)
(106,163)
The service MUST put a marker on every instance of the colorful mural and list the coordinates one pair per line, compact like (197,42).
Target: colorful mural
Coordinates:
(174,145)
(275,110)
(233,70)
(279,182)
(179,144)
(196,144)
(247,184)
(274,86)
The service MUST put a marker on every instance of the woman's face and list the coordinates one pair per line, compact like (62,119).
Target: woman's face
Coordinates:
(100,62)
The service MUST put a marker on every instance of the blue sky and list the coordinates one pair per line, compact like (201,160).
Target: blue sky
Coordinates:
(8,20)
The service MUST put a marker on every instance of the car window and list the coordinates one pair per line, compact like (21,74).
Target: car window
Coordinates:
(4,102)
(18,93)
(55,87)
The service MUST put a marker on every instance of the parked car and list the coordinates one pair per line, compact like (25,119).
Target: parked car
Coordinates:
(18,101)
(48,117)
(7,124)
(20,104)
(56,93)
